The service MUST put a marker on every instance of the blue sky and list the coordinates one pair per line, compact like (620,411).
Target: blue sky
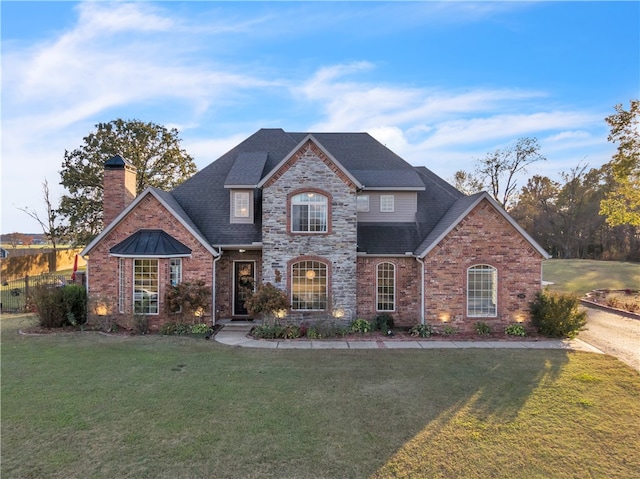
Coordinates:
(441,84)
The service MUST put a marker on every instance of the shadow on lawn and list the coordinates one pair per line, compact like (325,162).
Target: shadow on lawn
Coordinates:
(471,405)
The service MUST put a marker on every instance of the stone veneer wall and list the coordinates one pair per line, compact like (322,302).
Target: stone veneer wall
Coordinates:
(311,169)
(103,268)
(483,237)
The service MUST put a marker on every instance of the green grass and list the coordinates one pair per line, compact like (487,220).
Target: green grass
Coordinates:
(581,275)
(84,405)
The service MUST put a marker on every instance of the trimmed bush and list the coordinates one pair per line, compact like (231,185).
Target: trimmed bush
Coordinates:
(383,322)
(360,326)
(557,315)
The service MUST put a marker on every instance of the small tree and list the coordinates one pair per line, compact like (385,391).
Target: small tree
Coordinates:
(189,299)
(268,301)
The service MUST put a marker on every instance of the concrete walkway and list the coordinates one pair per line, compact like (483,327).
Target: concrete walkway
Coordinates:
(236,334)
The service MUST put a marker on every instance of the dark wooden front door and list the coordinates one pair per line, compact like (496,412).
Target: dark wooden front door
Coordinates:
(243,274)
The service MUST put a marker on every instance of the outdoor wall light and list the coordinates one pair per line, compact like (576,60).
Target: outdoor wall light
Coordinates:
(101,309)
(338,313)
(280,314)
(444,317)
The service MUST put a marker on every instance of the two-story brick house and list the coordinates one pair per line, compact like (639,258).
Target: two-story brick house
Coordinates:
(341,223)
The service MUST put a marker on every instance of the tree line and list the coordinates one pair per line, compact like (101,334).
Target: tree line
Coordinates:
(590,213)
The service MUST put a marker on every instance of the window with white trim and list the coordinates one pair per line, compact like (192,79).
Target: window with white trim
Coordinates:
(241,204)
(121,284)
(386,287)
(145,286)
(363,203)
(309,213)
(482,291)
(175,271)
(387,204)
(309,285)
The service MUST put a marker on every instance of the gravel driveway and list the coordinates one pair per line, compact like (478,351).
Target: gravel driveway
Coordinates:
(616,335)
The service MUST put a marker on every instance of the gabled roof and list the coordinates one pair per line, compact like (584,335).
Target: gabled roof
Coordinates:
(155,243)
(246,171)
(174,208)
(457,212)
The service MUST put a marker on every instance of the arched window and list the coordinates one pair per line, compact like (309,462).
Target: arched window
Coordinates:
(386,287)
(309,213)
(309,285)
(482,291)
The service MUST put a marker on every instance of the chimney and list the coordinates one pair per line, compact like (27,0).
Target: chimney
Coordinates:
(119,187)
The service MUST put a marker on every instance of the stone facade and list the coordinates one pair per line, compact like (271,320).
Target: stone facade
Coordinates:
(310,170)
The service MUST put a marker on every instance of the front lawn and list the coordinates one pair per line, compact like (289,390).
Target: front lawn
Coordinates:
(84,405)
(583,275)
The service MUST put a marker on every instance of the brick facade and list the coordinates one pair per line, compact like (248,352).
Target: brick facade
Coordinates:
(103,268)
(119,193)
(484,236)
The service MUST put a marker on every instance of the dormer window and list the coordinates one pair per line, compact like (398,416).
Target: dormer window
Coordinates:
(309,213)
(241,206)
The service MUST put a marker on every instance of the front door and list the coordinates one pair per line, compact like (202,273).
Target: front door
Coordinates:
(243,279)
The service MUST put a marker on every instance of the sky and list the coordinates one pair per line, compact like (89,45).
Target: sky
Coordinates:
(441,84)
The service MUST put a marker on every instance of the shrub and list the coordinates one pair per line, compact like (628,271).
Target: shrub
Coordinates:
(360,326)
(200,328)
(267,300)
(268,331)
(188,298)
(60,306)
(557,315)
(515,330)
(421,330)
(175,329)
(449,330)
(482,328)
(383,322)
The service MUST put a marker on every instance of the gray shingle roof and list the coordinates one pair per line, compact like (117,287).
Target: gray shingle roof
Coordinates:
(154,243)
(204,199)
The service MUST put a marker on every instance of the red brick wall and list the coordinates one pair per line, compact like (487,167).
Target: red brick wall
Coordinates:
(483,237)
(118,193)
(408,273)
(224,278)
(103,268)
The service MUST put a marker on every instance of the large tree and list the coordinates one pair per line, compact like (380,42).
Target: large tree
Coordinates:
(622,204)
(499,171)
(51,225)
(153,149)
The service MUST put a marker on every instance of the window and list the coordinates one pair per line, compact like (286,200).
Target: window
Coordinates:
(363,202)
(309,285)
(386,287)
(386,203)
(121,284)
(145,286)
(241,204)
(482,291)
(175,271)
(309,213)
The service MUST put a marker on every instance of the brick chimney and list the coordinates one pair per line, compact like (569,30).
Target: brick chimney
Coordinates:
(119,187)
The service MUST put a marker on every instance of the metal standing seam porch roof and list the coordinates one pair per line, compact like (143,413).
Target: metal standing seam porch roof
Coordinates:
(155,243)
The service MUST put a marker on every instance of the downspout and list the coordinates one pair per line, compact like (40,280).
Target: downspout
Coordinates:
(86,287)
(422,290)
(213,287)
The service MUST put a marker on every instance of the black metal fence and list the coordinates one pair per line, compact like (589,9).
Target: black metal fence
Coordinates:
(14,293)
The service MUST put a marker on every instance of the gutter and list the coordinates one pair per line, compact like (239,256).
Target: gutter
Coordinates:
(213,287)
(422,276)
